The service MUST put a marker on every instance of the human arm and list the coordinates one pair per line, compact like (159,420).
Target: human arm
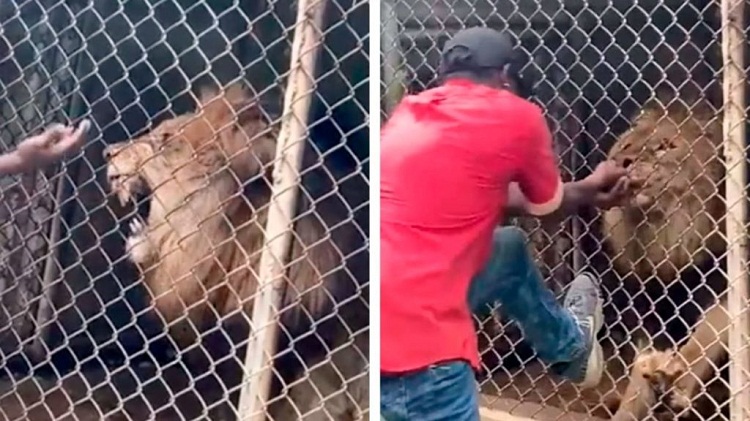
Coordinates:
(575,194)
(43,149)
(539,190)
(603,190)
(10,163)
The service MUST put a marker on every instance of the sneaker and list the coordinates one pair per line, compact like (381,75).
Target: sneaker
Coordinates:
(584,302)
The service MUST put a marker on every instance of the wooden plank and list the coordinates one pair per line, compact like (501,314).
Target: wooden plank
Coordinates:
(493,415)
(499,409)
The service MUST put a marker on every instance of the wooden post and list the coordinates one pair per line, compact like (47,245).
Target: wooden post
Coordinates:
(286,175)
(733,47)
(392,58)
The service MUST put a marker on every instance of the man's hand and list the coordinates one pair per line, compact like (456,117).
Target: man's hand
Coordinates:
(605,176)
(610,183)
(50,146)
(616,196)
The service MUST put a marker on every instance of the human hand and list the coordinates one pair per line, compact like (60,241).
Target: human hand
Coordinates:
(610,185)
(50,146)
(618,195)
(605,176)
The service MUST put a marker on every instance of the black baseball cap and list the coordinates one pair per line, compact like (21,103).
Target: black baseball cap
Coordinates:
(481,48)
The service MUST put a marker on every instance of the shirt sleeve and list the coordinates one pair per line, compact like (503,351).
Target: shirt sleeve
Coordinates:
(539,178)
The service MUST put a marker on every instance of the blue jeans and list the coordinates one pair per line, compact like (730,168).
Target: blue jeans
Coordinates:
(442,392)
(446,392)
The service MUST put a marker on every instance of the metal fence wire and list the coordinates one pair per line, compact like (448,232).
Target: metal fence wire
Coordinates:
(128,274)
(639,82)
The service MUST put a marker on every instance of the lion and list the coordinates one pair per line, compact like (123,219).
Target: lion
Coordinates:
(672,153)
(673,223)
(208,174)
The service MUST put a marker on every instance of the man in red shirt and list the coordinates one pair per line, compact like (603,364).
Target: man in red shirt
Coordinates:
(455,161)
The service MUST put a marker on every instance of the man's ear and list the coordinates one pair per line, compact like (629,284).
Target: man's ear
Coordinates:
(521,86)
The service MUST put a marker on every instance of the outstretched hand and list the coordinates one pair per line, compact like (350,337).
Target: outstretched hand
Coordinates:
(50,146)
(611,184)
(617,195)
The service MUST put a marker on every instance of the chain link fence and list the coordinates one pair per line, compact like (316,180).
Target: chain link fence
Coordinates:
(641,83)
(128,272)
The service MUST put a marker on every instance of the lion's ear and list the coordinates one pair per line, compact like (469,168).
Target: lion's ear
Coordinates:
(205,93)
(220,105)
(236,93)
(242,103)
(209,100)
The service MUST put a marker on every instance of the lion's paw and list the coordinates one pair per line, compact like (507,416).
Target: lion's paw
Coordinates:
(662,370)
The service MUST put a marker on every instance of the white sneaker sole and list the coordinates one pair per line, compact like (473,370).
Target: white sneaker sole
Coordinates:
(595,364)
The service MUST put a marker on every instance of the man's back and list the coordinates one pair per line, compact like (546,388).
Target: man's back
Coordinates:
(447,158)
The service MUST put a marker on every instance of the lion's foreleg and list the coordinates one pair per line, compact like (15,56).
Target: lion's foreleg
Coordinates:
(703,350)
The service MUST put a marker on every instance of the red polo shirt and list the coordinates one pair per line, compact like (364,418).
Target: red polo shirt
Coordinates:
(447,158)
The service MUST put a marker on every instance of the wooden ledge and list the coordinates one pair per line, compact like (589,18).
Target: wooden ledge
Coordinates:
(499,409)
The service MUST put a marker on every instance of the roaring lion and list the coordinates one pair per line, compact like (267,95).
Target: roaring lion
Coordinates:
(673,223)
(208,176)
